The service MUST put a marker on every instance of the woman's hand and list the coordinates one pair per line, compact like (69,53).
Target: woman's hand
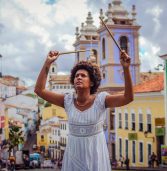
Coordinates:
(52,56)
(125,59)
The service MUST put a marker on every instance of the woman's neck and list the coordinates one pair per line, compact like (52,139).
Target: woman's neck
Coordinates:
(82,96)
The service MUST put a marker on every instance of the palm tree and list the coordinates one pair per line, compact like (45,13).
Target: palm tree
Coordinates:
(15,137)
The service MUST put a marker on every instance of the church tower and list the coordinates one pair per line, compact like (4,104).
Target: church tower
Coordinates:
(87,39)
(125,31)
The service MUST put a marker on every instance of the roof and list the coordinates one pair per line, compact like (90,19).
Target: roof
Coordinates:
(60,78)
(149,82)
(153,84)
(9,77)
(21,88)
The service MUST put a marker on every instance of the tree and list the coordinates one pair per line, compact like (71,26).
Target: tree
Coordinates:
(15,137)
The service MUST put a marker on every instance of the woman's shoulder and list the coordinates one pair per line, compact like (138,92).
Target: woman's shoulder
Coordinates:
(68,98)
(100,98)
(102,94)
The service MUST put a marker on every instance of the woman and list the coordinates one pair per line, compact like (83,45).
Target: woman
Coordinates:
(86,149)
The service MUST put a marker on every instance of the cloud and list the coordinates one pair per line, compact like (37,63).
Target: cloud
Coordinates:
(155,12)
(30,29)
(149,55)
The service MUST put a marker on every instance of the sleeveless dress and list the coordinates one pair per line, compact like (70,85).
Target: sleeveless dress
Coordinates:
(86,149)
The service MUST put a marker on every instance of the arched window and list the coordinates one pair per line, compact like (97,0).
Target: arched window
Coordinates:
(103,48)
(95,54)
(77,56)
(53,69)
(124,43)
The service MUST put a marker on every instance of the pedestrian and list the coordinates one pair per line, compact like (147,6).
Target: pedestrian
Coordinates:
(127,163)
(157,161)
(153,157)
(149,161)
(86,110)
(121,160)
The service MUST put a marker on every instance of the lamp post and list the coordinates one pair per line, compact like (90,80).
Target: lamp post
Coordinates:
(164,57)
(0,66)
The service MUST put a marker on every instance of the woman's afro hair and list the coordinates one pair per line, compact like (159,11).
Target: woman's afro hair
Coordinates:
(94,74)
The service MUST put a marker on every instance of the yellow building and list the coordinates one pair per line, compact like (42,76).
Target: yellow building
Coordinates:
(140,125)
(48,134)
(52,111)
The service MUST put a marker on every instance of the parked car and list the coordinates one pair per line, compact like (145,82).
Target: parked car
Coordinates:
(35,160)
(47,164)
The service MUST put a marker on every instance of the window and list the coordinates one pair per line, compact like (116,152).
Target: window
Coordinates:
(133,122)
(42,138)
(149,151)
(140,152)
(124,43)
(140,122)
(126,148)
(103,49)
(126,120)
(111,121)
(53,69)
(120,120)
(133,152)
(95,54)
(77,56)
(149,123)
(104,75)
(120,147)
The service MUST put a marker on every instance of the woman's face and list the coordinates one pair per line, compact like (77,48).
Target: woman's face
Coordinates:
(82,80)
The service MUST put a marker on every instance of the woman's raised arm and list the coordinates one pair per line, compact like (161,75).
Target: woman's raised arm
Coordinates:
(40,90)
(127,97)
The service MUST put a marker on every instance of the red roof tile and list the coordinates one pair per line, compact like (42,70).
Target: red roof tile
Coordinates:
(154,84)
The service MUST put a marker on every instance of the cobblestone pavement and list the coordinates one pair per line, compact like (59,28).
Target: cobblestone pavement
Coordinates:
(117,169)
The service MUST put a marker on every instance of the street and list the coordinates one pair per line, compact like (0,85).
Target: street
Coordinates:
(132,169)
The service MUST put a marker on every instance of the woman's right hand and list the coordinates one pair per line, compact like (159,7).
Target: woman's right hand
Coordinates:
(52,56)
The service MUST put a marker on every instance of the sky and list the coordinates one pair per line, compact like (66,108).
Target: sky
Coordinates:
(29,29)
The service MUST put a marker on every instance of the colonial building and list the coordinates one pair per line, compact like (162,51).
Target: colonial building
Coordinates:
(6,90)
(2,120)
(140,125)
(52,131)
(63,135)
(14,85)
(59,83)
(20,110)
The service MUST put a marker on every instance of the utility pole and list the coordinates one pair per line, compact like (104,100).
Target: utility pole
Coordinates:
(164,57)
(0,66)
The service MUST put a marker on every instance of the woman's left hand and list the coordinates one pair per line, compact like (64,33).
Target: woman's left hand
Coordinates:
(125,59)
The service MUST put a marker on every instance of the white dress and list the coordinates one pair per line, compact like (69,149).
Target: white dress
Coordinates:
(86,149)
